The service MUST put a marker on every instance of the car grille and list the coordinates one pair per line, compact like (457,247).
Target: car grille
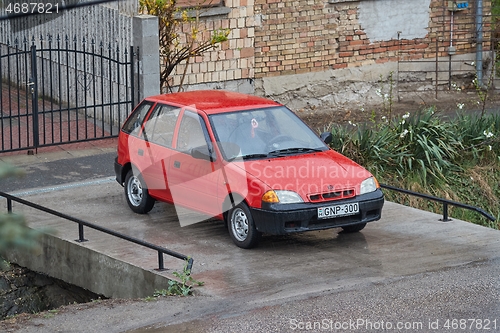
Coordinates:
(333,195)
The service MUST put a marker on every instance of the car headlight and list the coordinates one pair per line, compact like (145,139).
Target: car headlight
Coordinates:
(281,196)
(368,185)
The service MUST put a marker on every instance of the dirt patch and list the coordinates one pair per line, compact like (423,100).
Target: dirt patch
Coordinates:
(25,291)
(447,105)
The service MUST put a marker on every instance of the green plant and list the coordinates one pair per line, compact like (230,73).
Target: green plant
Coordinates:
(13,230)
(455,158)
(50,313)
(413,146)
(183,286)
(387,97)
(175,46)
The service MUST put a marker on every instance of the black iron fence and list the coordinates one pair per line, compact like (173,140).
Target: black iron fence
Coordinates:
(444,202)
(61,90)
(81,223)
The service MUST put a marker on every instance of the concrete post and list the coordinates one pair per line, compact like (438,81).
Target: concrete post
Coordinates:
(145,36)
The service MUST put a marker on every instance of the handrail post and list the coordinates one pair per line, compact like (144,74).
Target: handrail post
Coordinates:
(80,239)
(9,205)
(189,265)
(445,213)
(161,266)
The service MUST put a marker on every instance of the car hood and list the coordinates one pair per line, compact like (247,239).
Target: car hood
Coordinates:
(308,174)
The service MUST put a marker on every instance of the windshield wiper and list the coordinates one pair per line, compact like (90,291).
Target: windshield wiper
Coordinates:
(291,151)
(251,156)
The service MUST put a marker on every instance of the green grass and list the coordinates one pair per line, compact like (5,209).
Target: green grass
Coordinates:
(455,158)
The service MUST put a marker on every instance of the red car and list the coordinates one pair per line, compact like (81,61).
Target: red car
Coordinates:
(246,160)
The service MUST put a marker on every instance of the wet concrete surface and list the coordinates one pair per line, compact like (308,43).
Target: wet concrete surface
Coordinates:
(58,168)
(407,267)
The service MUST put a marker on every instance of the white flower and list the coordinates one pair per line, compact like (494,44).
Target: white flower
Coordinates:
(406,115)
(460,106)
(379,92)
(488,134)
(489,147)
(402,122)
(351,123)
(403,134)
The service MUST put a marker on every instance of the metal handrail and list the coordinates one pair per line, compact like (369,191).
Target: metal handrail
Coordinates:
(81,223)
(445,203)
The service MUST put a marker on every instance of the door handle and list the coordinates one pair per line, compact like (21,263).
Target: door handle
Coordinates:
(177,164)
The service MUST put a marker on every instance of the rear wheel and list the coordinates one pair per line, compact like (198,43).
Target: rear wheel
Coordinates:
(137,194)
(241,227)
(354,228)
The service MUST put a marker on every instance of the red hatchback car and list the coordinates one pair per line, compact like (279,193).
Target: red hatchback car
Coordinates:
(246,160)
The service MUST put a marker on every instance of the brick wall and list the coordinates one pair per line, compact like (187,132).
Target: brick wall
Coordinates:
(275,37)
(231,60)
(297,36)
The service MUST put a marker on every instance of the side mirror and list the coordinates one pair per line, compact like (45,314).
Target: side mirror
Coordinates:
(230,150)
(202,153)
(327,137)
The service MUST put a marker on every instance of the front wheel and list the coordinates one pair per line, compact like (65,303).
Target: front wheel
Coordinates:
(354,228)
(241,227)
(137,194)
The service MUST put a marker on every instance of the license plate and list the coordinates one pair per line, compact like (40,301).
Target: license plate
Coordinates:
(338,210)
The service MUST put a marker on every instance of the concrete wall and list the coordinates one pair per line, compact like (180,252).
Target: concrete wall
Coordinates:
(394,19)
(72,262)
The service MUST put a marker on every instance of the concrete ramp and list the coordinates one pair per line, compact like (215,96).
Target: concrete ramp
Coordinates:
(404,242)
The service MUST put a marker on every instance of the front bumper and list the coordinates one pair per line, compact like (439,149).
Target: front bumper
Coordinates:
(280,219)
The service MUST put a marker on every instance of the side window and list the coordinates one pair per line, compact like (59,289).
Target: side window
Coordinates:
(133,124)
(160,126)
(191,133)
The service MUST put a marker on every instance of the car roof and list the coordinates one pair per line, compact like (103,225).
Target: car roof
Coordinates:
(214,101)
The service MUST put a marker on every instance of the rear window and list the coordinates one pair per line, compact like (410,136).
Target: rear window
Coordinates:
(134,122)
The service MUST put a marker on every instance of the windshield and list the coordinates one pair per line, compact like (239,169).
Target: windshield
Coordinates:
(263,133)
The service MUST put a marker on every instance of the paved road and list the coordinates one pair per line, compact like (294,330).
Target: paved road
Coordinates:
(424,302)
(406,273)
(57,168)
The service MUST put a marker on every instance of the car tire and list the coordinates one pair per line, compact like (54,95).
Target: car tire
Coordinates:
(137,194)
(354,227)
(241,227)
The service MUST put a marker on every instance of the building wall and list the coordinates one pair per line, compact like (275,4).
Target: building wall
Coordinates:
(231,64)
(323,53)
